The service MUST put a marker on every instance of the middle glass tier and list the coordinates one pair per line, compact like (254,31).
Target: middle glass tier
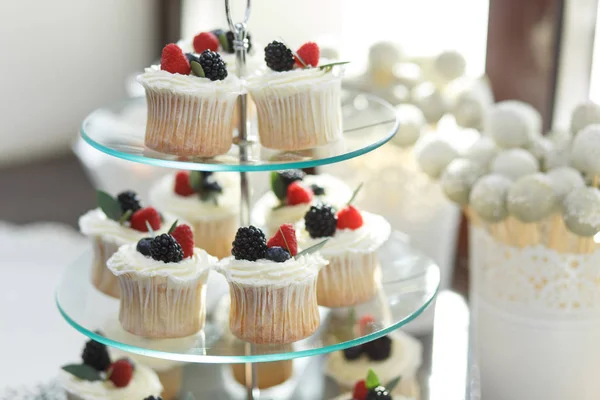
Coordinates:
(118,130)
(409,283)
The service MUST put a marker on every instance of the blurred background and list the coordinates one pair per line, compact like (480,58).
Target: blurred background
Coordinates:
(65,58)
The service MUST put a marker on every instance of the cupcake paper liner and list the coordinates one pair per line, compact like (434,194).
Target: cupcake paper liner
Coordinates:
(102,278)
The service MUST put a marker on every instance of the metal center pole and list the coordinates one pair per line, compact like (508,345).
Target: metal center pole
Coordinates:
(240,45)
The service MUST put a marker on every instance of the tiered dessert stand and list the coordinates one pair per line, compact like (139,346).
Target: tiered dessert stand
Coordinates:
(409,280)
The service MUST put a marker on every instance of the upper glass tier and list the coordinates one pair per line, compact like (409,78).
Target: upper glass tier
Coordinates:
(409,283)
(118,130)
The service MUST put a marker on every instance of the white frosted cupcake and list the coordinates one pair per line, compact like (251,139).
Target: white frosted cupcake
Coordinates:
(272,289)
(353,274)
(297,108)
(97,378)
(162,285)
(276,208)
(117,221)
(374,388)
(209,202)
(190,114)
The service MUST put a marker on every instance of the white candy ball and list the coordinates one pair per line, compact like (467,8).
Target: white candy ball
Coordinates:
(458,178)
(539,147)
(513,123)
(483,151)
(488,197)
(515,163)
(564,180)
(584,115)
(585,152)
(582,211)
(412,123)
(557,157)
(430,100)
(408,74)
(531,198)
(450,65)
(434,154)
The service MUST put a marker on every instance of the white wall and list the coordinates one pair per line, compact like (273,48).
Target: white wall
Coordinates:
(60,60)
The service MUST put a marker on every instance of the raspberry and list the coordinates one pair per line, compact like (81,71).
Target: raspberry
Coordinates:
(287,240)
(320,221)
(365,324)
(166,249)
(278,57)
(174,61)
(349,218)
(213,65)
(360,390)
(95,355)
(185,237)
(121,372)
(139,218)
(206,41)
(182,184)
(249,244)
(298,194)
(309,53)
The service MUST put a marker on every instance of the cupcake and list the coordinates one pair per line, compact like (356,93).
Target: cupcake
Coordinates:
(353,274)
(298,102)
(114,223)
(190,104)
(162,284)
(98,377)
(272,287)
(372,388)
(210,202)
(392,356)
(292,193)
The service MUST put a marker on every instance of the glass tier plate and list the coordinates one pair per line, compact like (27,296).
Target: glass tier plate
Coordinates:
(410,281)
(118,130)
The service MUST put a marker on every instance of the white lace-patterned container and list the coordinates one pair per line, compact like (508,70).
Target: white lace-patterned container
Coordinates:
(535,312)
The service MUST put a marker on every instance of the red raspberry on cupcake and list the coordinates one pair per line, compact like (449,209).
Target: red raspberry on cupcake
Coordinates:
(309,52)
(205,41)
(298,194)
(144,217)
(285,238)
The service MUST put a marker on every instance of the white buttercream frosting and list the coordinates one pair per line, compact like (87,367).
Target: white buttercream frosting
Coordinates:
(144,383)
(404,360)
(266,272)
(337,193)
(368,238)
(127,260)
(294,80)
(96,223)
(192,208)
(190,84)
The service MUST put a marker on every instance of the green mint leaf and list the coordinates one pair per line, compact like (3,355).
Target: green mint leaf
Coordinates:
(150,228)
(329,67)
(224,43)
(125,217)
(393,383)
(109,205)
(372,380)
(172,228)
(197,69)
(196,180)
(83,371)
(355,193)
(277,186)
(312,249)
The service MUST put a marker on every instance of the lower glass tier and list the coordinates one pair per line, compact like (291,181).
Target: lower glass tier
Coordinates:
(409,283)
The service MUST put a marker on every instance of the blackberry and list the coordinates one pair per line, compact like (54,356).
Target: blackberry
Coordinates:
(378,393)
(210,184)
(230,36)
(165,248)
(95,355)
(320,221)
(212,64)
(129,200)
(352,353)
(317,190)
(379,349)
(278,254)
(278,57)
(143,246)
(291,175)
(153,398)
(192,57)
(249,244)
